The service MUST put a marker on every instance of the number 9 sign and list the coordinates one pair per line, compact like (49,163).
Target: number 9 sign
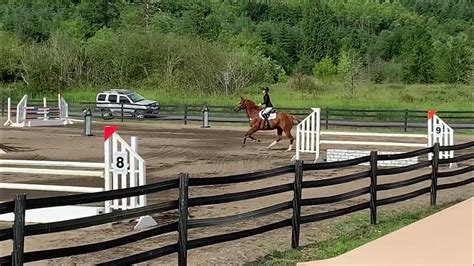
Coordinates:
(438,130)
(120,163)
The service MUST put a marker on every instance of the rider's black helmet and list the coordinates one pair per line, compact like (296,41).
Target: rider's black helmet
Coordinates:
(266,89)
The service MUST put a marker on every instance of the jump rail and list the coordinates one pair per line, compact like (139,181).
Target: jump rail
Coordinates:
(122,168)
(37,115)
(183,202)
(309,133)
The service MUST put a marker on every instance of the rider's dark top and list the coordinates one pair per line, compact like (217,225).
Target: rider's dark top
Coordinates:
(266,100)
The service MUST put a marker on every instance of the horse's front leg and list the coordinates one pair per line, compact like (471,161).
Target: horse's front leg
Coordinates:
(249,135)
(254,138)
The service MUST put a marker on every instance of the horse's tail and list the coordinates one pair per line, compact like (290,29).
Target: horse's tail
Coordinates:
(296,118)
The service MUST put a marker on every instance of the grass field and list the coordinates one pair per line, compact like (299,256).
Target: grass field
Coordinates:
(348,234)
(368,96)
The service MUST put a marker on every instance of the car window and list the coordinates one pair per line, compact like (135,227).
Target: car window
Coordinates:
(124,99)
(101,97)
(136,97)
(112,98)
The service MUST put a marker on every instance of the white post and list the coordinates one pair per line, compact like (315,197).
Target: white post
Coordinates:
(21,110)
(107,179)
(18,112)
(124,177)
(318,131)
(133,169)
(451,142)
(9,112)
(45,105)
(142,182)
(115,179)
(430,136)
(297,156)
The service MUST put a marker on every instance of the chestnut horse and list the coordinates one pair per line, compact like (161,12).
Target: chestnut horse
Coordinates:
(282,123)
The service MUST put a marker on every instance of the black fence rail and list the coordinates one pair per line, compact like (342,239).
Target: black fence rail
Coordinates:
(19,231)
(404,119)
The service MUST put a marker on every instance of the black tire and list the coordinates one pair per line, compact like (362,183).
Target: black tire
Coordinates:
(106,114)
(139,114)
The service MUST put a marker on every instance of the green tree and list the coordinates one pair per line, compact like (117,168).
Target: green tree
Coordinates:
(318,26)
(417,53)
(10,57)
(325,69)
(99,13)
(453,59)
(349,69)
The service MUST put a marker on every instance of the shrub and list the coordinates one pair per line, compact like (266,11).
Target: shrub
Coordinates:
(302,82)
(325,69)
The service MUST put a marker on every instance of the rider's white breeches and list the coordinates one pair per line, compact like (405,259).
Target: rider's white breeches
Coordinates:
(267,110)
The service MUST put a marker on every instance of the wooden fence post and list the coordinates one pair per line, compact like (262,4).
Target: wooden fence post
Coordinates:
(186,114)
(295,221)
(19,230)
(3,106)
(121,112)
(406,120)
(434,173)
(183,219)
(373,187)
(327,117)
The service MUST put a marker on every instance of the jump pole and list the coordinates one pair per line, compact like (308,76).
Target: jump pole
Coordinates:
(308,134)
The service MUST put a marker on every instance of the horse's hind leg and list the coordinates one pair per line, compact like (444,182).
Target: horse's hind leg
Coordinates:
(288,134)
(279,137)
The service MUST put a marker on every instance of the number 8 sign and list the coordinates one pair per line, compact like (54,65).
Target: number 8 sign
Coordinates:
(120,162)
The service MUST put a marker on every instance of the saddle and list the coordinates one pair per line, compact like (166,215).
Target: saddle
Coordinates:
(272,115)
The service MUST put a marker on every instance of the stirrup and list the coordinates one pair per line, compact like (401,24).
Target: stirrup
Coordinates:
(266,124)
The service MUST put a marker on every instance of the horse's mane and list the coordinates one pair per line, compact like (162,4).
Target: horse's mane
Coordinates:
(251,103)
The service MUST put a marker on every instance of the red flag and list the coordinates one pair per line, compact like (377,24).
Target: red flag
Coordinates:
(431,113)
(108,131)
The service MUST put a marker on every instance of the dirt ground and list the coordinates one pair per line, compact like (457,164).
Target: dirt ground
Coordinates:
(169,149)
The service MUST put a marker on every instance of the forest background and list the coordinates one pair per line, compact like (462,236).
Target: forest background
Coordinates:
(336,53)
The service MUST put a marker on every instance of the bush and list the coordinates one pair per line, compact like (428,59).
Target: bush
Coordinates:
(325,69)
(381,71)
(349,69)
(453,59)
(127,58)
(301,82)
(10,57)
(55,64)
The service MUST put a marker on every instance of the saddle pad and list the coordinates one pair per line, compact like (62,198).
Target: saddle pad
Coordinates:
(272,115)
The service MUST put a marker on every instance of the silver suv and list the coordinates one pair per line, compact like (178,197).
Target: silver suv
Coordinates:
(114,102)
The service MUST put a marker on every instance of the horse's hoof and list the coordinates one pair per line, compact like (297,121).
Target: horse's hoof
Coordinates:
(258,140)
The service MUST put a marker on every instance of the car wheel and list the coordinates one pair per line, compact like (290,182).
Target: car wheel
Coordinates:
(139,115)
(106,114)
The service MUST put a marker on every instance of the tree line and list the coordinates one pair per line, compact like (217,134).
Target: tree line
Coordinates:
(215,45)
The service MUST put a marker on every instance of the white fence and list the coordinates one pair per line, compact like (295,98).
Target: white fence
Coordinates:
(308,136)
(122,168)
(42,114)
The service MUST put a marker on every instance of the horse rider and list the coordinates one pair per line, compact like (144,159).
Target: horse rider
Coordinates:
(268,107)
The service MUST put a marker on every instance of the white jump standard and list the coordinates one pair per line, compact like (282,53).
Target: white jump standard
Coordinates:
(309,134)
(122,168)
(30,116)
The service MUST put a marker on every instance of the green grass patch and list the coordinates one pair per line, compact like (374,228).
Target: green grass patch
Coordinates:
(333,95)
(348,234)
